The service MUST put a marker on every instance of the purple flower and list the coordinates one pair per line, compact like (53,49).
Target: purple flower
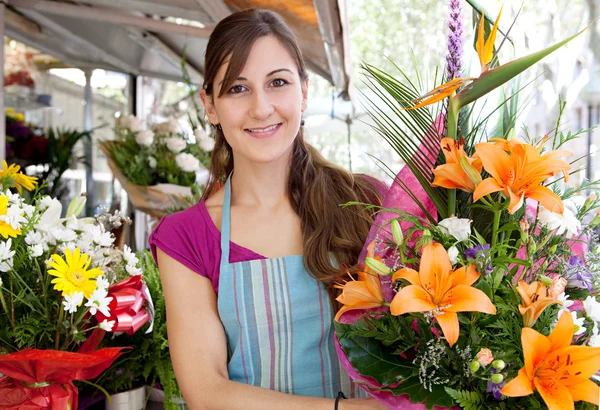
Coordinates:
(480,255)
(455,40)
(577,275)
(495,389)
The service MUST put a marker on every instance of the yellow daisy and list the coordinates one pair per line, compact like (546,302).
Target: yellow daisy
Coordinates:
(6,229)
(10,176)
(72,274)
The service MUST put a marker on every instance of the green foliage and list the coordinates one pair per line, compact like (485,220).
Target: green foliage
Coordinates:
(149,361)
(467,400)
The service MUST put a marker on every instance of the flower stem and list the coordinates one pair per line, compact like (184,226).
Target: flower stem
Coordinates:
(496,227)
(452,118)
(5,307)
(61,315)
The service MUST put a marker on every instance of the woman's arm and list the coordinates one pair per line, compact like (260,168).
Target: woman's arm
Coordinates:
(198,348)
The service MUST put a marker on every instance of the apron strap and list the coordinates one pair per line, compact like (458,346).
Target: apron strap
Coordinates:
(226,223)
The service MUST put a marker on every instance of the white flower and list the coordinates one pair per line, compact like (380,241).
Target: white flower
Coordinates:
(102,283)
(171,126)
(130,122)
(133,270)
(207,144)
(453,254)
(28,209)
(67,245)
(129,256)
(45,202)
(51,215)
(36,250)
(592,308)
(578,324)
(106,325)
(175,144)
(6,255)
(152,162)
(62,234)
(34,238)
(566,303)
(98,302)
(73,301)
(96,235)
(145,138)
(187,162)
(0,282)
(566,223)
(200,134)
(459,228)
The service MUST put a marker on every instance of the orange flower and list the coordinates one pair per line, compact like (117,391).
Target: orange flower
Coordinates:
(517,169)
(364,293)
(439,93)
(560,372)
(534,300)
(485,49)
(452,175)
(439,290)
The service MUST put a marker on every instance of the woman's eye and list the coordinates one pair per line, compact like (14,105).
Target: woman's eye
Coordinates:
(236,89)
(278,82)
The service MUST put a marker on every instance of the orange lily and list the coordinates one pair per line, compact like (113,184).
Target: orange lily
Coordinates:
(364,293)
(485,49)
(534,299)
(518,169)
(452,174)
(560,372)
(439,290)
(439,93)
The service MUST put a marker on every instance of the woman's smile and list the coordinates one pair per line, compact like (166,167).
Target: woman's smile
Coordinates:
(263,132)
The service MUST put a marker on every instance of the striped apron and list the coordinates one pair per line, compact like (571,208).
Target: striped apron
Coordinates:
(279,324)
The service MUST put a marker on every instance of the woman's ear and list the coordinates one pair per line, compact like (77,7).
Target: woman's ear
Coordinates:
(209,107)
(304,94)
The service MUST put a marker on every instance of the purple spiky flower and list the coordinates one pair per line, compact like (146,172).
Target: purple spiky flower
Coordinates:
(455,40)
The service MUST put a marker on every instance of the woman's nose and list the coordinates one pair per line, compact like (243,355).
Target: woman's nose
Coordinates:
(261,107)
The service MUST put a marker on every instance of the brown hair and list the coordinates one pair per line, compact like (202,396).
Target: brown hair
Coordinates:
(316,187)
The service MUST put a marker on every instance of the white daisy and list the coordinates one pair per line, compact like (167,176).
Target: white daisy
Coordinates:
(133,270)
(72,302)
(578,324)
(6,255)
(102,283)
(98,302)
(566,303)
(592,308)
(106,325)
(34,238)
(36,250)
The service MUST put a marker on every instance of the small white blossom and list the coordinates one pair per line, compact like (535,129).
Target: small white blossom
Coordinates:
(102,283)
(130,122)
(175,144)
(28,209)
(566,224)
(592,308)
(578,324)
(72,302)
(152,162)
(96,235)
(34,238)
(171,126)
(67,245)
(99,301)
(566,303)
(129,256)
(453,254)
(36,250)
(187,162)
(106,325)
(62,234)
(206,144)
(145,138)
(200,134)
(6,255)
(459,228)
(133,270)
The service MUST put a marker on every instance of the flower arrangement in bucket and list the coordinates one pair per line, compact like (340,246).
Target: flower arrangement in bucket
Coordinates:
(63,286)
(157,166)
(478,285)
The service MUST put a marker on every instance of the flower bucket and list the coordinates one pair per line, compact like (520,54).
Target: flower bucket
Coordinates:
(129,400)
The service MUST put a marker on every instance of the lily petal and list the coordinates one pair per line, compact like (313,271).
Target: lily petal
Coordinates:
(535,349)
(585,391)
(519,386)
(563,332)
(408,274)
(463,298)
(487,186)
(555,395)
(411,299)
(452,176)
(547,198)
(465,276)
(449,323)
(435,264)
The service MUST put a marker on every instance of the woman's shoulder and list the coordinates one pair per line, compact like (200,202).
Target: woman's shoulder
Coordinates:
(188,236)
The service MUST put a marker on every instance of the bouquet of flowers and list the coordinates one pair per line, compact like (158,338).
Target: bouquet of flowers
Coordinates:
(156,166)
(480,284)
(63,285)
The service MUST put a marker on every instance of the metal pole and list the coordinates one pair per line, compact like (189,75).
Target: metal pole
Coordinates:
(88,124)
(2,117)
(349,127)
(588,171)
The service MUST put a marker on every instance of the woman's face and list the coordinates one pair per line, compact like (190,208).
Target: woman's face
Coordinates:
(260,113)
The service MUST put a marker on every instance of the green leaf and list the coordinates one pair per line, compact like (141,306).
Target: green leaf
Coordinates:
(496,77)
(483,286)
(371,358)
(419,394)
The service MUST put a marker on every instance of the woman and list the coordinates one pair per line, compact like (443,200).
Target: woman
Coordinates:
(266,342)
